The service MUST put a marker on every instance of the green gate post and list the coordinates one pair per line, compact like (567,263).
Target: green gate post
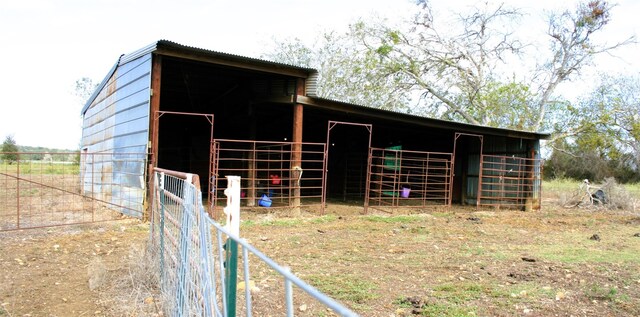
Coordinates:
(231,275)
(232,210)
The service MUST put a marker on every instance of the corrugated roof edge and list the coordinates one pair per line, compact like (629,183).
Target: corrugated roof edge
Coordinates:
(174,45)
(440,122)
(126,58)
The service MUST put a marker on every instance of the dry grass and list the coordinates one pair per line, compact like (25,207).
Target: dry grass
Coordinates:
(133,289)
(573,194)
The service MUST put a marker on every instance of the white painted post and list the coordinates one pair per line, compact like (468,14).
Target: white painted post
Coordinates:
(232,210)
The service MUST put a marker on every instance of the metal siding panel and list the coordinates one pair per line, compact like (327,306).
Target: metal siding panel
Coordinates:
(130,127)
(131,149)
(141,63)
(494,145)
(134,112)
(473,167)
(471,190)
(134,107)
(125,141)
(118,121)
(312,84)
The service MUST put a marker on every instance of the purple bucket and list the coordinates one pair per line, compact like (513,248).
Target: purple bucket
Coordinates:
(405,192)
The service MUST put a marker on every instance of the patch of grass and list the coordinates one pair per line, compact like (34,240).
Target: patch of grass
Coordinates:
(435,309)
(571,186)
(282,222)
(590,223)
(142,227)
(442,214)
(444,310)
(501,255)
(323,219)
(420,230)
(348,288)
(247,223)
(402,302)
(29,192)
(577,254)
(564,185)
(41,168)
(468,251)
(521,291)
(610,294)
(350,257)
(459,293)
(393,219)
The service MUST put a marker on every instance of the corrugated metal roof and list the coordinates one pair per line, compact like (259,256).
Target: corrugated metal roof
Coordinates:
(164,46)
(428,121)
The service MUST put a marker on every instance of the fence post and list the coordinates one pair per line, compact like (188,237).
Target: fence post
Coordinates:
(18,192)
(184,248)
(160,182)
(232,210)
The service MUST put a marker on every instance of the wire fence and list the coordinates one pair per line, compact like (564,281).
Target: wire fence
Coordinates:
(54,189)
(200,261)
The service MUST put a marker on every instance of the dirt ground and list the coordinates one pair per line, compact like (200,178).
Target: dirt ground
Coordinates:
(445,262)
(47,272)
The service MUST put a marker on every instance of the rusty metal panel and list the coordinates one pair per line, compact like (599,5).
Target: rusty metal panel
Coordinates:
(408,179)
(269,173)
(510,182)
(490,175)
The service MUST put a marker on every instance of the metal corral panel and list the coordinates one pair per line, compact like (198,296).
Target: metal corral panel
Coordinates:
(498,145)
(116,124)
(510,175)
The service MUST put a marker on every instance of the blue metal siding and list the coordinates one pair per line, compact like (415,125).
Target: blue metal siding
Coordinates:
(117,122)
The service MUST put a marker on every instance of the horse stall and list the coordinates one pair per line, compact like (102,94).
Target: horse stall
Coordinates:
(216,114)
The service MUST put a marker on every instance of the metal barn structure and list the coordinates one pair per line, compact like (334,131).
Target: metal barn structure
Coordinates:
(216,114)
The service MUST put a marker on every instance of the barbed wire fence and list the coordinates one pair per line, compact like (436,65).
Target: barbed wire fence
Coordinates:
(198,258)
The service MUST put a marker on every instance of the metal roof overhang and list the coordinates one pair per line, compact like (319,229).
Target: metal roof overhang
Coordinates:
(167,48)
(344,107)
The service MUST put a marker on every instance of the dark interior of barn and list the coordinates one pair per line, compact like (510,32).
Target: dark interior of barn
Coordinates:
(252,105)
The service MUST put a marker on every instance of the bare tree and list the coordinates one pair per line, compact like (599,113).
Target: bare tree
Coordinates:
(84,88)
(572,49)
(460,66)
(347,71)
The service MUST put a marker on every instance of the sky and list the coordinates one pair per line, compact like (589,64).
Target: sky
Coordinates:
(49,44)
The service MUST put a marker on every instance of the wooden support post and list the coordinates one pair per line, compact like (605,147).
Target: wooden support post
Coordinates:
(296,150)
(156,75)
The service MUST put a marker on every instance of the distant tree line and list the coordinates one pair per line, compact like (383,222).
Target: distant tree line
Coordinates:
(10,150)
